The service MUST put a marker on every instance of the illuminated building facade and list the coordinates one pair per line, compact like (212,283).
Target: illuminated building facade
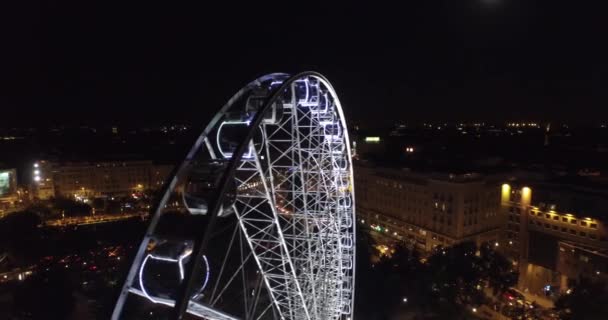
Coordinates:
(8,189)
(554,234)
(368,145)
(90,179)
(42,187)
(428,210)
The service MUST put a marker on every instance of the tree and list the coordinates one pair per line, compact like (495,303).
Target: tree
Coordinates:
(370,281)
(497,269)
(20,236)
(587,300)
(46,296)
(71,208)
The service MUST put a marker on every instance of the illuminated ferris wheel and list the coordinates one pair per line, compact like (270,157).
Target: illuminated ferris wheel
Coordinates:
(258,221)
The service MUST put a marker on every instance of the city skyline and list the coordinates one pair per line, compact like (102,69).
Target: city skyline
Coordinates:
(414,160)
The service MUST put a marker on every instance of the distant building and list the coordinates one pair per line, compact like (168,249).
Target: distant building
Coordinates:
(428,210)
(43,186)
(91,179)
(8,190)
(8,181)
(370,145)
(555,233)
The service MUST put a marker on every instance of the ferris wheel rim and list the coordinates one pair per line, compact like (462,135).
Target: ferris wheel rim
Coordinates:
(181,302)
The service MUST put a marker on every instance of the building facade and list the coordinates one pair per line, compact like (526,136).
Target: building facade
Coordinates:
(554,235)
(427,210)
(92,179)
(9,196)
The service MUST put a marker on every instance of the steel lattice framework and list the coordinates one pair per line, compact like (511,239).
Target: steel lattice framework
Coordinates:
(274,166)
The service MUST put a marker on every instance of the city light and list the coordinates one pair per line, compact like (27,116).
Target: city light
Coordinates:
(372,139)
(526,195)
(506,193)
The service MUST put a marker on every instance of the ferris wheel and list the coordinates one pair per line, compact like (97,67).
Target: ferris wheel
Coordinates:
(258,221)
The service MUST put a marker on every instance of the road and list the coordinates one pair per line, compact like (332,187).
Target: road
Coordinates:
(94,219)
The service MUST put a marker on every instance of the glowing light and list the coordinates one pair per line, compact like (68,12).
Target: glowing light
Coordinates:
(404,300)
(372,139)
(506,193)
(526,195)
(35,165)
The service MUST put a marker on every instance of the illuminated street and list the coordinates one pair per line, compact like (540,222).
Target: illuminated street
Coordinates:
(96,219)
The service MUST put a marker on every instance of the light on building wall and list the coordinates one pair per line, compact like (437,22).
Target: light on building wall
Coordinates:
(526,195)
(506,192)
(372,139)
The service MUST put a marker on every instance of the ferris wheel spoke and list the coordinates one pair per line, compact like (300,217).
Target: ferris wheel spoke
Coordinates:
(221,273)
(273,166)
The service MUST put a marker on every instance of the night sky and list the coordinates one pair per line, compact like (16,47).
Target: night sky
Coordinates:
(496,60)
